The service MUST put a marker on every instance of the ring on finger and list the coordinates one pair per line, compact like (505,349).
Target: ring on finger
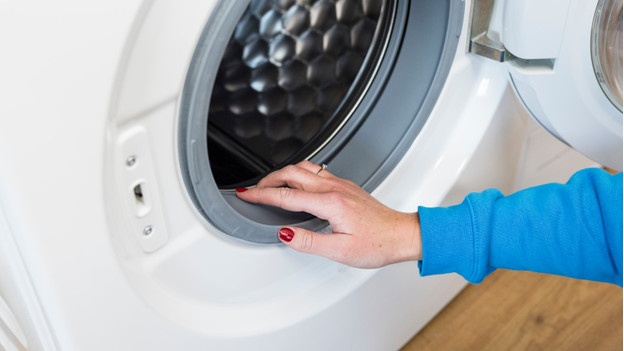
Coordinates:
(323,167)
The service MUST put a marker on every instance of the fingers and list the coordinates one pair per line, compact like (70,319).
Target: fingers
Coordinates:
(332,246)
(300,176)
(314,168)
(294,177)
(297,188)
(317,204)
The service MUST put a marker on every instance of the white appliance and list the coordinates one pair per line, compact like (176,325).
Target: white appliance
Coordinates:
(95,100)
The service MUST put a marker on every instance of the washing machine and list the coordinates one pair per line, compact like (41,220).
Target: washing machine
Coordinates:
(126,125)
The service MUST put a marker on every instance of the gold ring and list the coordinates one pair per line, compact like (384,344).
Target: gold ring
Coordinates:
(323,167)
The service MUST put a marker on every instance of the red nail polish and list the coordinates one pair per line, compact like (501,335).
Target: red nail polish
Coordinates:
(241,190)
(286,234)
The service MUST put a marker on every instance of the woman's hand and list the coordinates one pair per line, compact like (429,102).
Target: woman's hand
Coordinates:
(367,234)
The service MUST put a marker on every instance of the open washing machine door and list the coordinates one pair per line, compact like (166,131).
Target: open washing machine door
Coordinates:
(119,227)
(564,60)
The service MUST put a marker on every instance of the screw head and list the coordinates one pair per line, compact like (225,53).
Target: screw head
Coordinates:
(147,230)
(131,160)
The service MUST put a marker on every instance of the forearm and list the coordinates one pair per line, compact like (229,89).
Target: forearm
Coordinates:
(572,229)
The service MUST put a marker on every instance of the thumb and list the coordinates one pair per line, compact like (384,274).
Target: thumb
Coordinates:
(303,240)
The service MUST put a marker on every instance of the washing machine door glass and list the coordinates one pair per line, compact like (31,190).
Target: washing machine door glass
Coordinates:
(565,62)
(606,47)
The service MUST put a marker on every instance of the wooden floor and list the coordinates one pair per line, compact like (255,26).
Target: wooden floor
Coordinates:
(527,311)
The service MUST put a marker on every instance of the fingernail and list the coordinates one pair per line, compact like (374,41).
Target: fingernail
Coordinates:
(241,190)
(286,234)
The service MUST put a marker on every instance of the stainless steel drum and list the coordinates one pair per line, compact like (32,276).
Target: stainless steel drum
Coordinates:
(291,75)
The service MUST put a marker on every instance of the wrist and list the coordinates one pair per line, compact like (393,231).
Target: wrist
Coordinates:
(416,243)
(410,240)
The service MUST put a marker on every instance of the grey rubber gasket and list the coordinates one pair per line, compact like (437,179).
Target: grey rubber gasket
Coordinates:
(398,102)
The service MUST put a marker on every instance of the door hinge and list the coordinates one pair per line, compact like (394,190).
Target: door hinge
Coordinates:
(480,43)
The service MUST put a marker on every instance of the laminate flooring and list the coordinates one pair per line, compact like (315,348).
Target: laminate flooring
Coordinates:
(514,310)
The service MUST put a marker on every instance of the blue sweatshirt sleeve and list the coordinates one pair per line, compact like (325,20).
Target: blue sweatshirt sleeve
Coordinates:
(572,229)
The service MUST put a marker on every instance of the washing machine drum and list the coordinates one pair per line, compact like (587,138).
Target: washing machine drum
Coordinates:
(344,82)
(289,78)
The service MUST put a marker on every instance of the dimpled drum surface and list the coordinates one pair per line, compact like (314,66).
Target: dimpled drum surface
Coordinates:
(291,75)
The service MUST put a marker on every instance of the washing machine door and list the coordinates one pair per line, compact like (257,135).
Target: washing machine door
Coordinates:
(564,60)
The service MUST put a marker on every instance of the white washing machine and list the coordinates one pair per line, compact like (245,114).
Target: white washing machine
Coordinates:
(125,125)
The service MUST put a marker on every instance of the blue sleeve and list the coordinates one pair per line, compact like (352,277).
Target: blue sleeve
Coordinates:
(572,229)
